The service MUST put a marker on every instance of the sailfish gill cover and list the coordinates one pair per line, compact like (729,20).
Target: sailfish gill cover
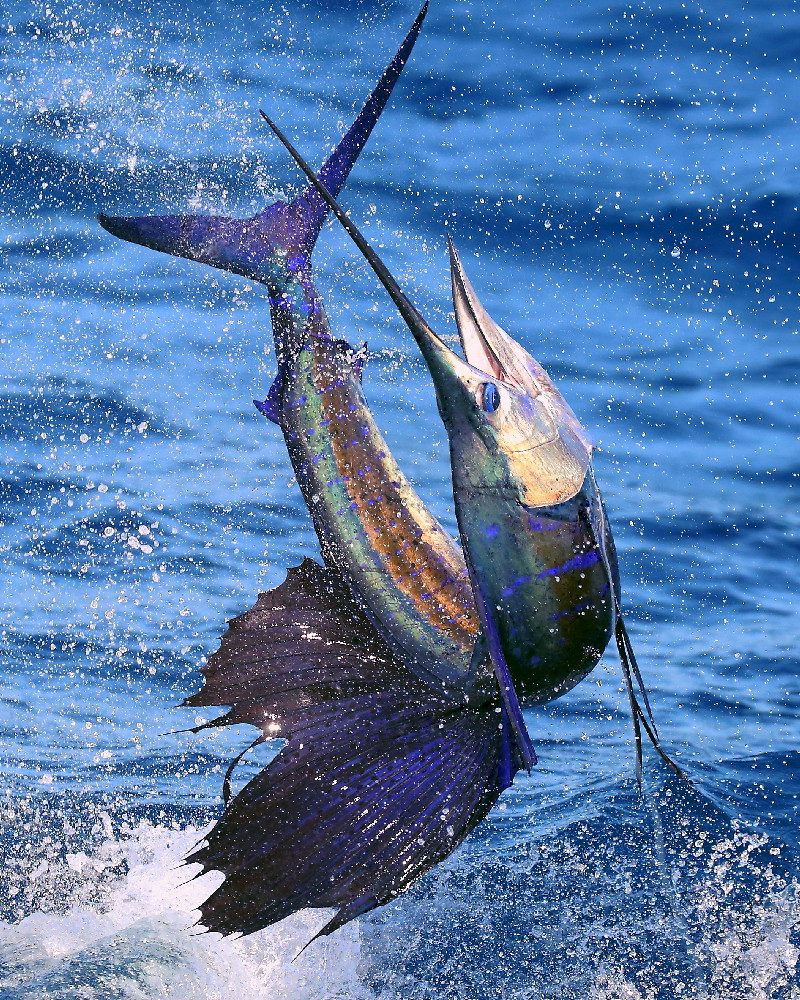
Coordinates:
(619,184)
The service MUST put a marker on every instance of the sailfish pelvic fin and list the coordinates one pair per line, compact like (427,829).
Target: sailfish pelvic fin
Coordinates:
(244,246)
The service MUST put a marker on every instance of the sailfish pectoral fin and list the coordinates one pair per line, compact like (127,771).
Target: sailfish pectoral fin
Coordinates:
(512,755)
(512,711)
(244,246)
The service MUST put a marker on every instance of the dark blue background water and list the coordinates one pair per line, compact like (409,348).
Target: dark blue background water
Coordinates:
(622,183)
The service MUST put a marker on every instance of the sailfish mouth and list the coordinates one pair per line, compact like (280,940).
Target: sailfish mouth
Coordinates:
(476,328)
(486,345)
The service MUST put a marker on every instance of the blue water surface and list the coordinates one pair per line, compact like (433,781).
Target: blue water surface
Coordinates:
(622,183)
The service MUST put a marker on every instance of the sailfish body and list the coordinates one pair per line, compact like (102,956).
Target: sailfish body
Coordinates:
(396,740)
(407,573)
(405,570)
(539,550)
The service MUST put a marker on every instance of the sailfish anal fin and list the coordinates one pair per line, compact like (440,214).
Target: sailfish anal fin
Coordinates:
(245,246)
(381,776)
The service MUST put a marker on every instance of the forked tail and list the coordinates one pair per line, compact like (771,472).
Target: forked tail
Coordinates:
(244,246)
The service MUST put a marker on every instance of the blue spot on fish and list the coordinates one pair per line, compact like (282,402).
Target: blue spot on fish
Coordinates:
(537,524)
(514,587)
(582,561)
(583,606)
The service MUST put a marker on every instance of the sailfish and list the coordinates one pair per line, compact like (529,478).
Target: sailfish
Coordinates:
(534,529)
(374,530)
(369,666)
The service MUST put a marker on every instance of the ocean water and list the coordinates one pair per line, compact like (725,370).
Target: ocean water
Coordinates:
(622,183)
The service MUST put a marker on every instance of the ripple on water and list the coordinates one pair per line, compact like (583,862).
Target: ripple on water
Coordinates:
(67,410)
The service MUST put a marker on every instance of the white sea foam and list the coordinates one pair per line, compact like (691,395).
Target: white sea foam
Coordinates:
(573,916)
(138,940)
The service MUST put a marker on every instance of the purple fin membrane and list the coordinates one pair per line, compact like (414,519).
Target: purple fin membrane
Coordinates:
(267,409)
(381,778)
(244,246)
(271,407)
(511,707)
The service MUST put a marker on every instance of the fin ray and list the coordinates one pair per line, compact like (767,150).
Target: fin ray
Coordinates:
(381,776)
(352,833)
(505,682)
(303,647)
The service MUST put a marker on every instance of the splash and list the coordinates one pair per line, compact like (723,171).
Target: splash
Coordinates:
(750,913)
(669,901)
(132,933)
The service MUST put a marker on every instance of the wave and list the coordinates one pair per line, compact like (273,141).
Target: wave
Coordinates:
(71,410)
(677,895)
(115,920)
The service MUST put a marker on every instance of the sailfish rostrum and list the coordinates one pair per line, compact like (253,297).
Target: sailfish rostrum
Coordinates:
(397,743)
(536,537)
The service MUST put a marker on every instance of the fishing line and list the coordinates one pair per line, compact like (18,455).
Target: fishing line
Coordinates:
(630,668)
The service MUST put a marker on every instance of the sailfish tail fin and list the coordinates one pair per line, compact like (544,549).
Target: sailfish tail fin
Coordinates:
(244,246)
(380,779)
(336,169)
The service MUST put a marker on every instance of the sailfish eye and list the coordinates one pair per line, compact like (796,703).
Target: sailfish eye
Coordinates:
(489,396)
